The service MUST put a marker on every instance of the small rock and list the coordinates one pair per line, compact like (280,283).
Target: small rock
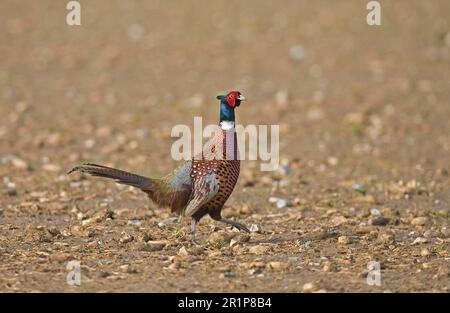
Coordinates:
(333,161)
(151,246)
(227,275)
(424,252)
(134,222)
(257,264)
(277,266)
(360,187)
(297,52)
(282,98)
(59,257)
(419,221)
(368,199)
(354,118)
(343,240)
(259,249)
(183,252)
(219,239)
(443,271)
(419,240)
(125,238)
(126,268)
(241,238)
(310,287)
(430,234)
(379,221)
(51,167)
(254,228)
(427,265)
(327,266)
(281,203)
(225,268)
(19,163)
(254,271)
(445,231)
(361,229)
(386,238)
(338,220)
(375,212)
(174,266)
(54,231)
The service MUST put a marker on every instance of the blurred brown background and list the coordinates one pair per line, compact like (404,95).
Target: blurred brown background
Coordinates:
(355,104)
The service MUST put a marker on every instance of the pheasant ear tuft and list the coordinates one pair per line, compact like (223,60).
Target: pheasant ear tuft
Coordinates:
(220,97)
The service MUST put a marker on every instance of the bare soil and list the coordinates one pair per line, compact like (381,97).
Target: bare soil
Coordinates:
(364,144)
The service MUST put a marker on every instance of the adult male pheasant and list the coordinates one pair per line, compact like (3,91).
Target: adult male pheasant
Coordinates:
(199,186)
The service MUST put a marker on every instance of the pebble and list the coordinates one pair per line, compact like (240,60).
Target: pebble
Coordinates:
(127,268)
(429,234)
(151,246)
(368,199)
(227,275)
(279,202)
(254,228)
(49,167)
(54,231)
(183,251)
(375,212)
(379,221)
(310,287)
(424,252)
(343,240)
(327,266)
(362,229)
(15,161)
(282,98)
(59,257)
(338,220)
(277,266)
(360,187)
(254,271)
(354,118)
(445,232)
(419,240)
(386,238)
(297,53)
(259,249)
(333,161)
(125,238)
(419,221)
(243,238)
(134,222)
(219,239)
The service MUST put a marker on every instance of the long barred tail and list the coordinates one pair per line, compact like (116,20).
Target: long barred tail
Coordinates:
(119,176)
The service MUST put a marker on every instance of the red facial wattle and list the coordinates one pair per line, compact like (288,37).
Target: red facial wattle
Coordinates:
(231,99)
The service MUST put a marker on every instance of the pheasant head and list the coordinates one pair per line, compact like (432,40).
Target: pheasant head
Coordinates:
(228,103)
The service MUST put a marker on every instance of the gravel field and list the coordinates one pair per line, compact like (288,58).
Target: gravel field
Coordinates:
(364,144)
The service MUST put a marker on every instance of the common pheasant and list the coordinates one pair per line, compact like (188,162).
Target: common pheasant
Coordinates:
(199,186)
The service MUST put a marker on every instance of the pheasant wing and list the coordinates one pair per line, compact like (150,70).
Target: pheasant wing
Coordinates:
(205,187)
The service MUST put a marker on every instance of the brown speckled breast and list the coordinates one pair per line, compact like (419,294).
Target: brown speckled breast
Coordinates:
(226,170)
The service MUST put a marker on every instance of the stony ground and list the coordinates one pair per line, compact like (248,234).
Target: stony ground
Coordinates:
(364,144)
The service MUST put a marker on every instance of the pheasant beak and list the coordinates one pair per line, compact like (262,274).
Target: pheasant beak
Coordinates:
(241,98)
